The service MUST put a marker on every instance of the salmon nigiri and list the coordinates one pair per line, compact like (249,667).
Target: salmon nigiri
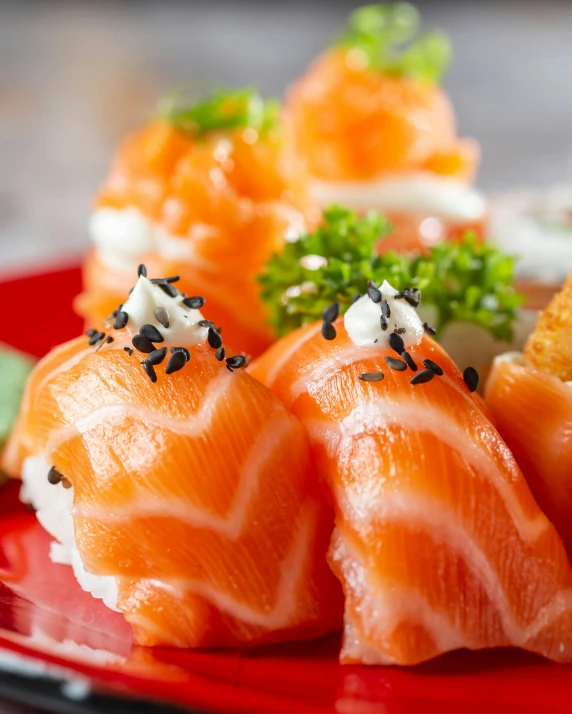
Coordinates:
(178,487)
(377,131)
(439,543)
(530,395)
(203,191)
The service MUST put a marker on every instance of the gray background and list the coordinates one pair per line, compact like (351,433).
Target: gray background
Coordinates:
(74,76)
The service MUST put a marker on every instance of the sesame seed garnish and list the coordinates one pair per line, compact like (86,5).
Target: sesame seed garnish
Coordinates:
(235,362)
(328,331)
(157,356)
(383,322)
(214,339)
(141,271)
(195,303)
(374,293)
(206,323)
(372,376)
(176,362)
(355,298)
(54,477)
(152,333)
(385,309)
(96,338)
(409,360)
(426,375)
(184,350)
(412,296)
(149,370)
(397,364)
(220,353)
(172,279)
(471,378)
(92,332)
(166,287)
(433,365)
(429,330)
(143,344)
(121,320)
(396,343)
(129,350)
(66,483)
(331,313)
(107,341)
(400,330)
(162,316)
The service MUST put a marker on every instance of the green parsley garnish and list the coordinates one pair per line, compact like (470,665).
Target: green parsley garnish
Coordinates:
(220,110)
(390,39)
(469,280)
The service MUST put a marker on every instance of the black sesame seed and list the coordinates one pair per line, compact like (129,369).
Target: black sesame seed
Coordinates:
(385,309)
(433,365)
(396,343)
(96,338)
(66,483)
(429,330)
(400,330)
(412,296)
(383,323)
(166,287)
(409,360)
(172,279)
(184,350)
(328,331)
(426,375)
(152,333)
(157,356)
(107,341)
(149,370)
(143,344)
(141,271)
(331,313)
(372,376)
(122,319)
(129,350)
(214,339)
(195,303)
(162,316)
(54,477)
(206,323)
(374,294)
(396,364)
(236,362)
(355,298)
(220,353)
(92,332)
(176,362)
(471,378)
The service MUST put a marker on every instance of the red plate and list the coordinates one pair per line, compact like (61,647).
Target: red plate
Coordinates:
(57,642)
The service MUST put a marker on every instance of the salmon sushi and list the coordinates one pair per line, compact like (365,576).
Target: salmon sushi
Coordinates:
(439,543)
(530,396)
(205,191)
(377,131)
(180,489)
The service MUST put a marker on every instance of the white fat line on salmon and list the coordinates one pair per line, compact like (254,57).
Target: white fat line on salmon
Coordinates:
(307,335)
(384,606)
(286,611)
(370,418)
(232,524)
(442,524)
(193,425)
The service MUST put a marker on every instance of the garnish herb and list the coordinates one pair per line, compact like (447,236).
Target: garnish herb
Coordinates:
(14,370)
(467,280)
(388,37)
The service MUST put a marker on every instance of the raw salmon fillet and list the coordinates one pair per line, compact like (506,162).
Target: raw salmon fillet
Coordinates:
(197,494)
(439,543)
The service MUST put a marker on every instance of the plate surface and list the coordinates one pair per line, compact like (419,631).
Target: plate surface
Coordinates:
(62,649)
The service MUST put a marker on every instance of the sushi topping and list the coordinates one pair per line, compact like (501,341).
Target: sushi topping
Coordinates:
(471,378)
(429,330)
(121,320)
(129,350)
(397,364)
(410,295)
(91,333)
(426,375)
(149,370)
(331,313)
(66,483)
(167,288)
(54,477)
(372,376)
(220,353)
(184,350)
(141,271)
(143,344)
(373,293)
(176,362)
(152,333)
(409,361)
(157,356)
(328,331)
(429,364)
(162,316)
(396,343)
(206,323)
(385,309)
(195,303)
(214,339)
(236,362)
(96,338)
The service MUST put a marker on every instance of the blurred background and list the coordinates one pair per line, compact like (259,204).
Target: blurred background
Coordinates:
(76,75)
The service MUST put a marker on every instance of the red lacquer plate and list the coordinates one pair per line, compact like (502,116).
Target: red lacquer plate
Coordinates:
(66,651)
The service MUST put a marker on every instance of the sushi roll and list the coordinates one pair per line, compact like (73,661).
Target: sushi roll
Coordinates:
(536,227)
(376,130)
(439,543)
(530,397)
(179,489)
(205,191)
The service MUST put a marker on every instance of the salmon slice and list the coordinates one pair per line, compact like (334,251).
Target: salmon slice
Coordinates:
(194,500)
(439,543)
(211,210)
